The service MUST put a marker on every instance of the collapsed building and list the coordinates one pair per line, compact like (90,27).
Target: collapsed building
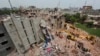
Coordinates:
(19,33)
(6,44)
(28,31)
(23,31)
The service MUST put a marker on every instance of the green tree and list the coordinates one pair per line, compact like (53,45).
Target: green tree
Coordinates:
(83,18)
(67,17)
(73,19)
(4,11)
(77,15)
(89,24)
(7,11)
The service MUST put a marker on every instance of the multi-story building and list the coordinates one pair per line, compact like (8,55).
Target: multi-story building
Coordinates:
(6,44)
(87,7)
(23,31)
(19,33)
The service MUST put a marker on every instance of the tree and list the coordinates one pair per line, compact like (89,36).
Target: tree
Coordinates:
(4,11)
(77,15)
(7,11)
(67,17)
(89,24)
(73,19)
(83,18)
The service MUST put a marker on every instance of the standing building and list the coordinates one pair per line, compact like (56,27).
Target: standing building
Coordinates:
(87,8)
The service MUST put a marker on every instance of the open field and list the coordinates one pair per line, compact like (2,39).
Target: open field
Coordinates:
(89,30)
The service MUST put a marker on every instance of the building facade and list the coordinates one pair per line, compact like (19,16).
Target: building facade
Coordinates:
(6,44)
(23,31)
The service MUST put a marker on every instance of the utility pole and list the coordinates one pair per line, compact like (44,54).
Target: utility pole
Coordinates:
(85,2)
(12,19)
(58,5)
(10,4)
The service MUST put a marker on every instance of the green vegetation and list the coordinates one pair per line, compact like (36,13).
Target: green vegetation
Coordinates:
(89,24)
(83,18)
(75,18)
(80,20)
(72,18)
(89,30)
(67,17)
(6,11)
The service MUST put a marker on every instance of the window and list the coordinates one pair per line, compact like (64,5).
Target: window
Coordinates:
(91,18)
(25,32)
(4,42)
(55,16)
(22,25)
(9,48)
(31,25)
(65,25)
(33,14)
(1,34)
(10,24)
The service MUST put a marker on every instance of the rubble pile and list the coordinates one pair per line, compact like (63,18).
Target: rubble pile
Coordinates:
(66,42)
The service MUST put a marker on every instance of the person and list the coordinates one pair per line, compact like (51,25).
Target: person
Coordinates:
(47,38)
